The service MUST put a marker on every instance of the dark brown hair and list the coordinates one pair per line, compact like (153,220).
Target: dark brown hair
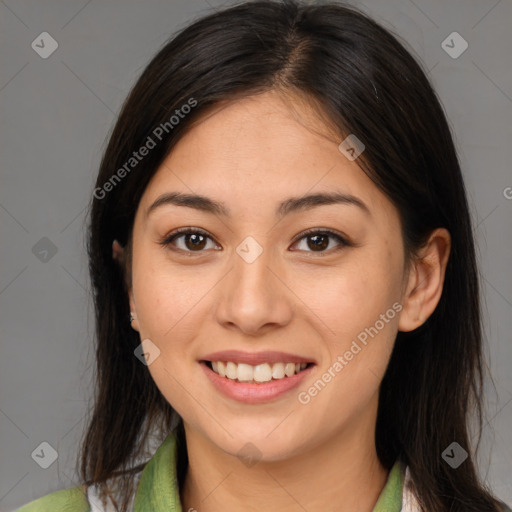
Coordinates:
(367,84)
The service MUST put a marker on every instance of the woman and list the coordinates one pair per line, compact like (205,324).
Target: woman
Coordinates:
(287,302)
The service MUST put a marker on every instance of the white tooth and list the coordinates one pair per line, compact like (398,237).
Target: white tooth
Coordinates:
(278,370)
(245,372)
(231,370)
(262,373)
(303,366)
(221,368)
(289,369)
(214,366)
(297,367)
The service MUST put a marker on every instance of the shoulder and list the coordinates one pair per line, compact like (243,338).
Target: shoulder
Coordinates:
(66,500)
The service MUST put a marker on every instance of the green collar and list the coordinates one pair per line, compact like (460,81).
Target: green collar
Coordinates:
(158,484)
(155,493)
(390,499)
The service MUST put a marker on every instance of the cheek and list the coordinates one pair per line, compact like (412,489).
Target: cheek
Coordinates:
(365,320)
(166,296)
(168,303)
(352,297)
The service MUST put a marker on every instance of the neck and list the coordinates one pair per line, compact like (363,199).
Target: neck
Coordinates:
(343,473)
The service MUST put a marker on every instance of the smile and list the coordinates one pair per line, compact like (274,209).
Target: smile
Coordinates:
(255,378)
(265,372)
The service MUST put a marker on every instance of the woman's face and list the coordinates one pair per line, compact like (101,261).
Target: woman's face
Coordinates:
(256,287)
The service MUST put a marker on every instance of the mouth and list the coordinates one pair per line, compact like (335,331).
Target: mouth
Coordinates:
(256,374)
(255,378)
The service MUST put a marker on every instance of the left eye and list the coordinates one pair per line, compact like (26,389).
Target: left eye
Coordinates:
(194,240)
(318,241)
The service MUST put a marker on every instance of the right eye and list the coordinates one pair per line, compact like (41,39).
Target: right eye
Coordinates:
(187,240)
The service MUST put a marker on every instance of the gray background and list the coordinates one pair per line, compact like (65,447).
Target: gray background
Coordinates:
(56,114)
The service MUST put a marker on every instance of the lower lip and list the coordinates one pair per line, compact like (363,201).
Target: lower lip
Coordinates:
(253,393)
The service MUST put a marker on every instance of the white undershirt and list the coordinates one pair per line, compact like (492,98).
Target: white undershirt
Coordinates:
(409,501)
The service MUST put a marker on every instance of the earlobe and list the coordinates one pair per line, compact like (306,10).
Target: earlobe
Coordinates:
(133,320)
(119,255)
(117,252)
(425,281)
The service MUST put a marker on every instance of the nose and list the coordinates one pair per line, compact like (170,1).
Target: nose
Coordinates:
(253,297)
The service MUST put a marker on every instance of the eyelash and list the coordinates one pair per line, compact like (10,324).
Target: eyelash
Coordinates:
(343,241)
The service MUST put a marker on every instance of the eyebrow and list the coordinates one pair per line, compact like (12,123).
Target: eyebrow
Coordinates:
(292,204)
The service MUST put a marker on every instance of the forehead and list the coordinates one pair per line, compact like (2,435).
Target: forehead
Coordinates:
(254,151)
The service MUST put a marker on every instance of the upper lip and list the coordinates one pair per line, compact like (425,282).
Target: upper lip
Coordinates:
(255,358)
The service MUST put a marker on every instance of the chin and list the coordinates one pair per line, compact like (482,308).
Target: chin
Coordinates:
(257,442)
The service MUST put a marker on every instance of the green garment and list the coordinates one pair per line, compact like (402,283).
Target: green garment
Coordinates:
(158,489)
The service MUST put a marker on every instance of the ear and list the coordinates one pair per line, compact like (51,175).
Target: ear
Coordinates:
(118,253)
(425,281)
